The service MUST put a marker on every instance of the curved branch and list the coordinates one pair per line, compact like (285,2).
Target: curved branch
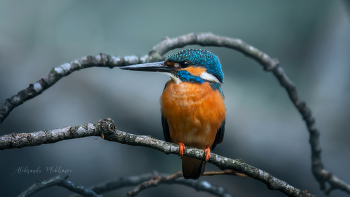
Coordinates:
(106,129)
(101,60)
(59,181)
(202,39)
(209,39)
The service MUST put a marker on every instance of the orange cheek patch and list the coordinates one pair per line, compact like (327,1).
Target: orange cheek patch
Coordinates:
(169,63)
(195,71)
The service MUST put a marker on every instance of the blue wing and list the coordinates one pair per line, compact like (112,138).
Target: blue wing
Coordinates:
(219,135)
(165,125)
(166,130)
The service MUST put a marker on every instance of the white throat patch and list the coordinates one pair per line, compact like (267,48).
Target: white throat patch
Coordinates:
(174,78)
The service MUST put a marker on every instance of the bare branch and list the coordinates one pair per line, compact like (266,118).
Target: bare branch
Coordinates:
(202,39)
(201,185)
(66,69)
(225,172)
(209,39)
(198,185)
(106,129)
(135,180)
(154,182)
(19,140)
(121,182)
(139,179)
(59,181)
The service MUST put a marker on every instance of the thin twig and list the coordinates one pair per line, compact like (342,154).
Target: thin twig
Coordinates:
(59,181)
(120,182)
(138,179)
(224,172)
(106,128)
(154,182)
(198,185)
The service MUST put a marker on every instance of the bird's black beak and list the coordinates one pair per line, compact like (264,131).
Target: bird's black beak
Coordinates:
(151,67)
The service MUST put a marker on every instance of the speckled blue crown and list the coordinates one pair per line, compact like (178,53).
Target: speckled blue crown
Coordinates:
(200,57)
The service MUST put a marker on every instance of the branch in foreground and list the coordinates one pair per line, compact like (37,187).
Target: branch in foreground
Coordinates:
(202,39)
(59,181)
(106,128)
(171,179)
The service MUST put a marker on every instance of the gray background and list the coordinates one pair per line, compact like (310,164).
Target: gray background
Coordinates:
(310,38)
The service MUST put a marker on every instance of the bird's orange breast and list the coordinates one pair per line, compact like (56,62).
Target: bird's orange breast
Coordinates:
(194,112)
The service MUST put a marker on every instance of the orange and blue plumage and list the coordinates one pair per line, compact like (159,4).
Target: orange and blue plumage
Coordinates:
(192,103)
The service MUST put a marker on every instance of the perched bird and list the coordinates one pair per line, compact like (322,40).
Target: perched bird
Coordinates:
(192,103)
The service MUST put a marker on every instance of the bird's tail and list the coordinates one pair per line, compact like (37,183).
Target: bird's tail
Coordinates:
(192,168)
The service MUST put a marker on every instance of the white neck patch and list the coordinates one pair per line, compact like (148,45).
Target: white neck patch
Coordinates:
(204,75)
(174,78)
(209,77)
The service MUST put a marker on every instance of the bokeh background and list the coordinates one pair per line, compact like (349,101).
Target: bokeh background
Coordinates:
(310,38)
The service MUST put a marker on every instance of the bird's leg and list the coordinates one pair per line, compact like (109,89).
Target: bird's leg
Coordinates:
(207,153)
(181,149)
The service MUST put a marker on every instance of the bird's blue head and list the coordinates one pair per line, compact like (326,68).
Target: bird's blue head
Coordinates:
(190,65)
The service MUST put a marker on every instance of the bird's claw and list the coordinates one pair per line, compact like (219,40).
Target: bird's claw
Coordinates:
(207,153)
(181,149)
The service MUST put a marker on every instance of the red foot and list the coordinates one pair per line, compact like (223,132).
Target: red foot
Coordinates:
(207,153)
(181,149)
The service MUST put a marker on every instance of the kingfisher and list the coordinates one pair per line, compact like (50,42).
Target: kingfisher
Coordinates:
(192,104)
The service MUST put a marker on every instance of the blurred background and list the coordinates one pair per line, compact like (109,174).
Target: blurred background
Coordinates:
(310,39)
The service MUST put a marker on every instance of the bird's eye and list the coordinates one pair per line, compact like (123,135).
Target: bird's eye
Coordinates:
(184,64)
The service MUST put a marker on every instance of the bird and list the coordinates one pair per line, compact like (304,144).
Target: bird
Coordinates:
(192,104)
